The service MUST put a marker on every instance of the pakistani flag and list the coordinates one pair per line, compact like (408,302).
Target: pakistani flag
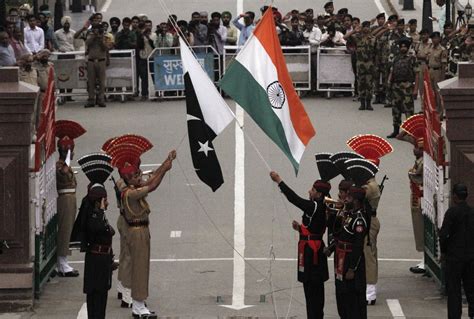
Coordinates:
(258,80)
(207,114)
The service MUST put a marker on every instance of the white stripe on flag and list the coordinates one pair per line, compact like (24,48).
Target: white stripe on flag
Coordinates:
(252,58)
(215,110)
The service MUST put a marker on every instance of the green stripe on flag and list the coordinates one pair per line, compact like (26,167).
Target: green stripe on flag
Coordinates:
(239,83)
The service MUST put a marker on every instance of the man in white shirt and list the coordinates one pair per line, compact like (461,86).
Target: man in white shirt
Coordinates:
(332,38)
(312,37)
(34,36)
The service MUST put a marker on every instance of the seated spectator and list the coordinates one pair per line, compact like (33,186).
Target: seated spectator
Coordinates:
(332,38)
(217,33)
(49,38)
(17,43)
(184,27)
(7,55)
(126,39)
(246,29)
(65,36)
(231,30)
(164,38)
(199,30)
(293,37)
(33,35)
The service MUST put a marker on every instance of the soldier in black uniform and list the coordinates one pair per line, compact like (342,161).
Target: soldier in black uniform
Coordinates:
(97,235)
(349,260)
(312,261)
(456,237)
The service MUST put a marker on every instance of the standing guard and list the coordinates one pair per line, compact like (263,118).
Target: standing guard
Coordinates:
(372,148)
(312,261)
(126,157)
(413,130)
(404,81)
(349,260)
(97,234)
(124,276)
(66,132)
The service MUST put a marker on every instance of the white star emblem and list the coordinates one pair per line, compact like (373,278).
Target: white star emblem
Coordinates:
(204,147)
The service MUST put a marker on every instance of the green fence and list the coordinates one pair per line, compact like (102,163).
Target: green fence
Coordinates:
(45,254)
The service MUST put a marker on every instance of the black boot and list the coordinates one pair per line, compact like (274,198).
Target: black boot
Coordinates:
(378,98)
(396,130)
(362,104)
(369,104)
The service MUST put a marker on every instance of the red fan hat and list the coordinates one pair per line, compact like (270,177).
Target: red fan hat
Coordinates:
(139,141)
(125,151)
(67,131)
(415,127)
(372,147)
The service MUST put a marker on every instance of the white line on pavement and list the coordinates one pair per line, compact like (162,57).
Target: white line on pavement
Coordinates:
(247,259)
(395,308)
(82,314)
(175,234)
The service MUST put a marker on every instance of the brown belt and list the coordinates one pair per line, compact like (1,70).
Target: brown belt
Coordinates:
(100,249)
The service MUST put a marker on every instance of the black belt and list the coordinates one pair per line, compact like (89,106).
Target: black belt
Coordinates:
(100,249)
(138,223)
(438,68)
(311,237)
(96,60)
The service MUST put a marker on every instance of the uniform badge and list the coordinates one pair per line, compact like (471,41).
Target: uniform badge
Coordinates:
(359,229)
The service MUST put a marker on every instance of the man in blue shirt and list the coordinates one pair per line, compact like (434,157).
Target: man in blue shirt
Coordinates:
(246,29)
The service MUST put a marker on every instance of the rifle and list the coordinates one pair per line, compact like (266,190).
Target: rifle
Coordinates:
(381,186)
(118,194)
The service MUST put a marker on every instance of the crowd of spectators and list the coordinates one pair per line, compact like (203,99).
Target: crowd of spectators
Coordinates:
(25,35)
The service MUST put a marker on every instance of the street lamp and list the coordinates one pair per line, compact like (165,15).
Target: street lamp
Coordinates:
(468,11)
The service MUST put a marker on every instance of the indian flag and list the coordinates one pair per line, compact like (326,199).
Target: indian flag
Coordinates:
(258,80)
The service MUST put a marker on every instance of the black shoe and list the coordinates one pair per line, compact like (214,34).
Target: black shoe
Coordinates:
(369,104)
(119,295)
(371,303)
(69,99)
(73,273)
(89,105)
(388,105)
(417,270)
(152,315)
(396,130)
(101,105)
(125,304)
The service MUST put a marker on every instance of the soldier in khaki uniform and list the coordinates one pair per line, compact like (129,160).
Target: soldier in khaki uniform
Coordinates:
(66,184)
(372,195)
(135,214)
(413,132)
(437,61)
(97,52)
(421,49)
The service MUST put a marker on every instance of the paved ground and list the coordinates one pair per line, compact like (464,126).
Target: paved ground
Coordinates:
(192,274)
